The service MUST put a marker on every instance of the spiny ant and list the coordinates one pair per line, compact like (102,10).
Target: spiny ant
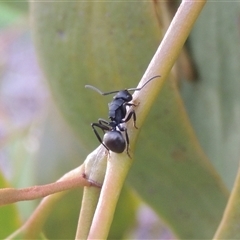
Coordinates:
(113,139)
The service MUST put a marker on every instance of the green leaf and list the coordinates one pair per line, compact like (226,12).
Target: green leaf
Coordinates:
(213,101)
(124,217)
(70,59)
(59,149)
(172,174)
(67,208)
(109,45)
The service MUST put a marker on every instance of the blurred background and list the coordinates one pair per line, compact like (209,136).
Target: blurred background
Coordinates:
(37,146)
(35,141)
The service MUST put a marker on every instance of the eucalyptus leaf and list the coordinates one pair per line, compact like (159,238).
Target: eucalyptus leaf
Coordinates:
(213,102)
(109,45)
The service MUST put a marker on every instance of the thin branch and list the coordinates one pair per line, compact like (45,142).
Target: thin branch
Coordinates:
(95,170)
(229,226)
(32,227)
(161,64)
(12,195)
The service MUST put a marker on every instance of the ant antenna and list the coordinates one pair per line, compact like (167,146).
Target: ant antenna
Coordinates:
(130,89)
(138,89)
(96,89)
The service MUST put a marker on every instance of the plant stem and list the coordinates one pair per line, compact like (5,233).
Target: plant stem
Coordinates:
(162,62)
(89,203)
(33,226)
(12,195)
(229,226)
(95,170)
(165,56)
(117,169)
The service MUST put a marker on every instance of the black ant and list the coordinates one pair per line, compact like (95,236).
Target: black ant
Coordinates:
(113,139)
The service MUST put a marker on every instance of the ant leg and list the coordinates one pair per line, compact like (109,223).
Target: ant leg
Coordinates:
(127,141)
(131,114)
(123,129)
(103,122)
(97,134)
(131,104)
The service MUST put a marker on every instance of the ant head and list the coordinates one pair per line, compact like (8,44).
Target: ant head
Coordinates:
(123,94)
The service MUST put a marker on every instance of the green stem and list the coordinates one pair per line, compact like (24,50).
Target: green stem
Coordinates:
(165,57)
(95,169)
(229,226)
(117,169)
(89,203)
(33,226)
(12,195)
(162,62)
